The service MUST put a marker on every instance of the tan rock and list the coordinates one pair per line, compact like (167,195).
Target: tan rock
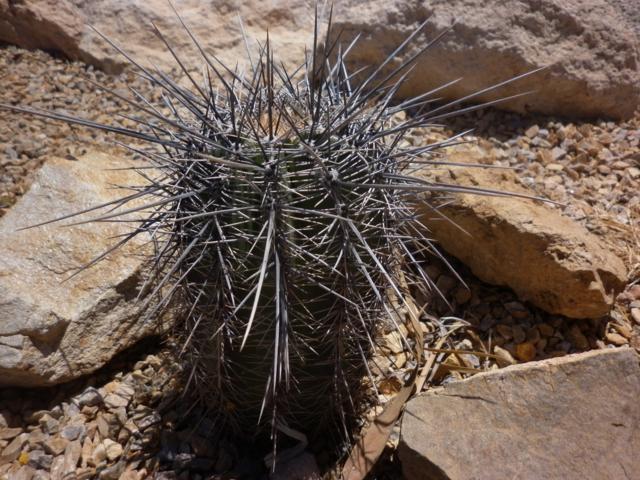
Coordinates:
(112,449)
(53,25)
(63,26)
(545,257)
(54,330)
(13,449)
(9,433)
(566,418)
(593,69)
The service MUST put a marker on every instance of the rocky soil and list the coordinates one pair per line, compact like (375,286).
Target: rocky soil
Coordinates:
(125,421)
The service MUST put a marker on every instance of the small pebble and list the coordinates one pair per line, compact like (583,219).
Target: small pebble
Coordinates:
(525,351)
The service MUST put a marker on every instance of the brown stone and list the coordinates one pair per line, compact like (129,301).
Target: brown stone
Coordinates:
(545,257)
(525,351)
(565,418)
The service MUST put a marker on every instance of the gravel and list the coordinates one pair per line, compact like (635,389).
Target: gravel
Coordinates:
(124,422)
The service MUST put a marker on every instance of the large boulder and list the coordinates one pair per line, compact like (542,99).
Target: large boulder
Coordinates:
(593,69)
(64,26)
(544,257)
(52,328)
(52,25)
(566,418)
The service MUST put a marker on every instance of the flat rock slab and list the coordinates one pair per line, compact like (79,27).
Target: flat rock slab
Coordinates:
(54,329)
(566,418)
(544,257)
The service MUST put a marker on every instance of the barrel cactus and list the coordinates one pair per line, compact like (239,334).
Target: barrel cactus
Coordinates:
(284,219)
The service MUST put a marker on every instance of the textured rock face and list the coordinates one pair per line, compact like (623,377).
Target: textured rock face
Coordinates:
(546,258)
(53,330)
(593,69)
(573,417)
(47,24)
(63,26)
(631,12)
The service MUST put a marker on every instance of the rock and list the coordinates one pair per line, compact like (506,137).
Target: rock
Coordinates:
(300,467)
(525,351)
(99,454)
(39,460)
(55,445)
(148,421)
(545,257)
(113,450)
(49,424)
(65,329)
(13,449)
(41,475)
(90,397)
(503,357)
(630,11)
(592,69)
(616,339)
(72,432)
(36,438)
(565,418)
(62,26)
(24,473)
(125,391)
(112,472)
(54,25)
(114,401)
(9,433)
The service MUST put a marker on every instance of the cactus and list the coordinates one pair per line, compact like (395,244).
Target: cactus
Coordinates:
(284,219)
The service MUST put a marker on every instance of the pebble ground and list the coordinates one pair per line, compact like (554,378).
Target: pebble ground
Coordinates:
(125,421)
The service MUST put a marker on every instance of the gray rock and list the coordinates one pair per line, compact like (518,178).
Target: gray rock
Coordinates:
(41,475)
(90,397)
(60,330)
(73,432)
(49,424)
(148,421)
(567,418)
(39,460)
